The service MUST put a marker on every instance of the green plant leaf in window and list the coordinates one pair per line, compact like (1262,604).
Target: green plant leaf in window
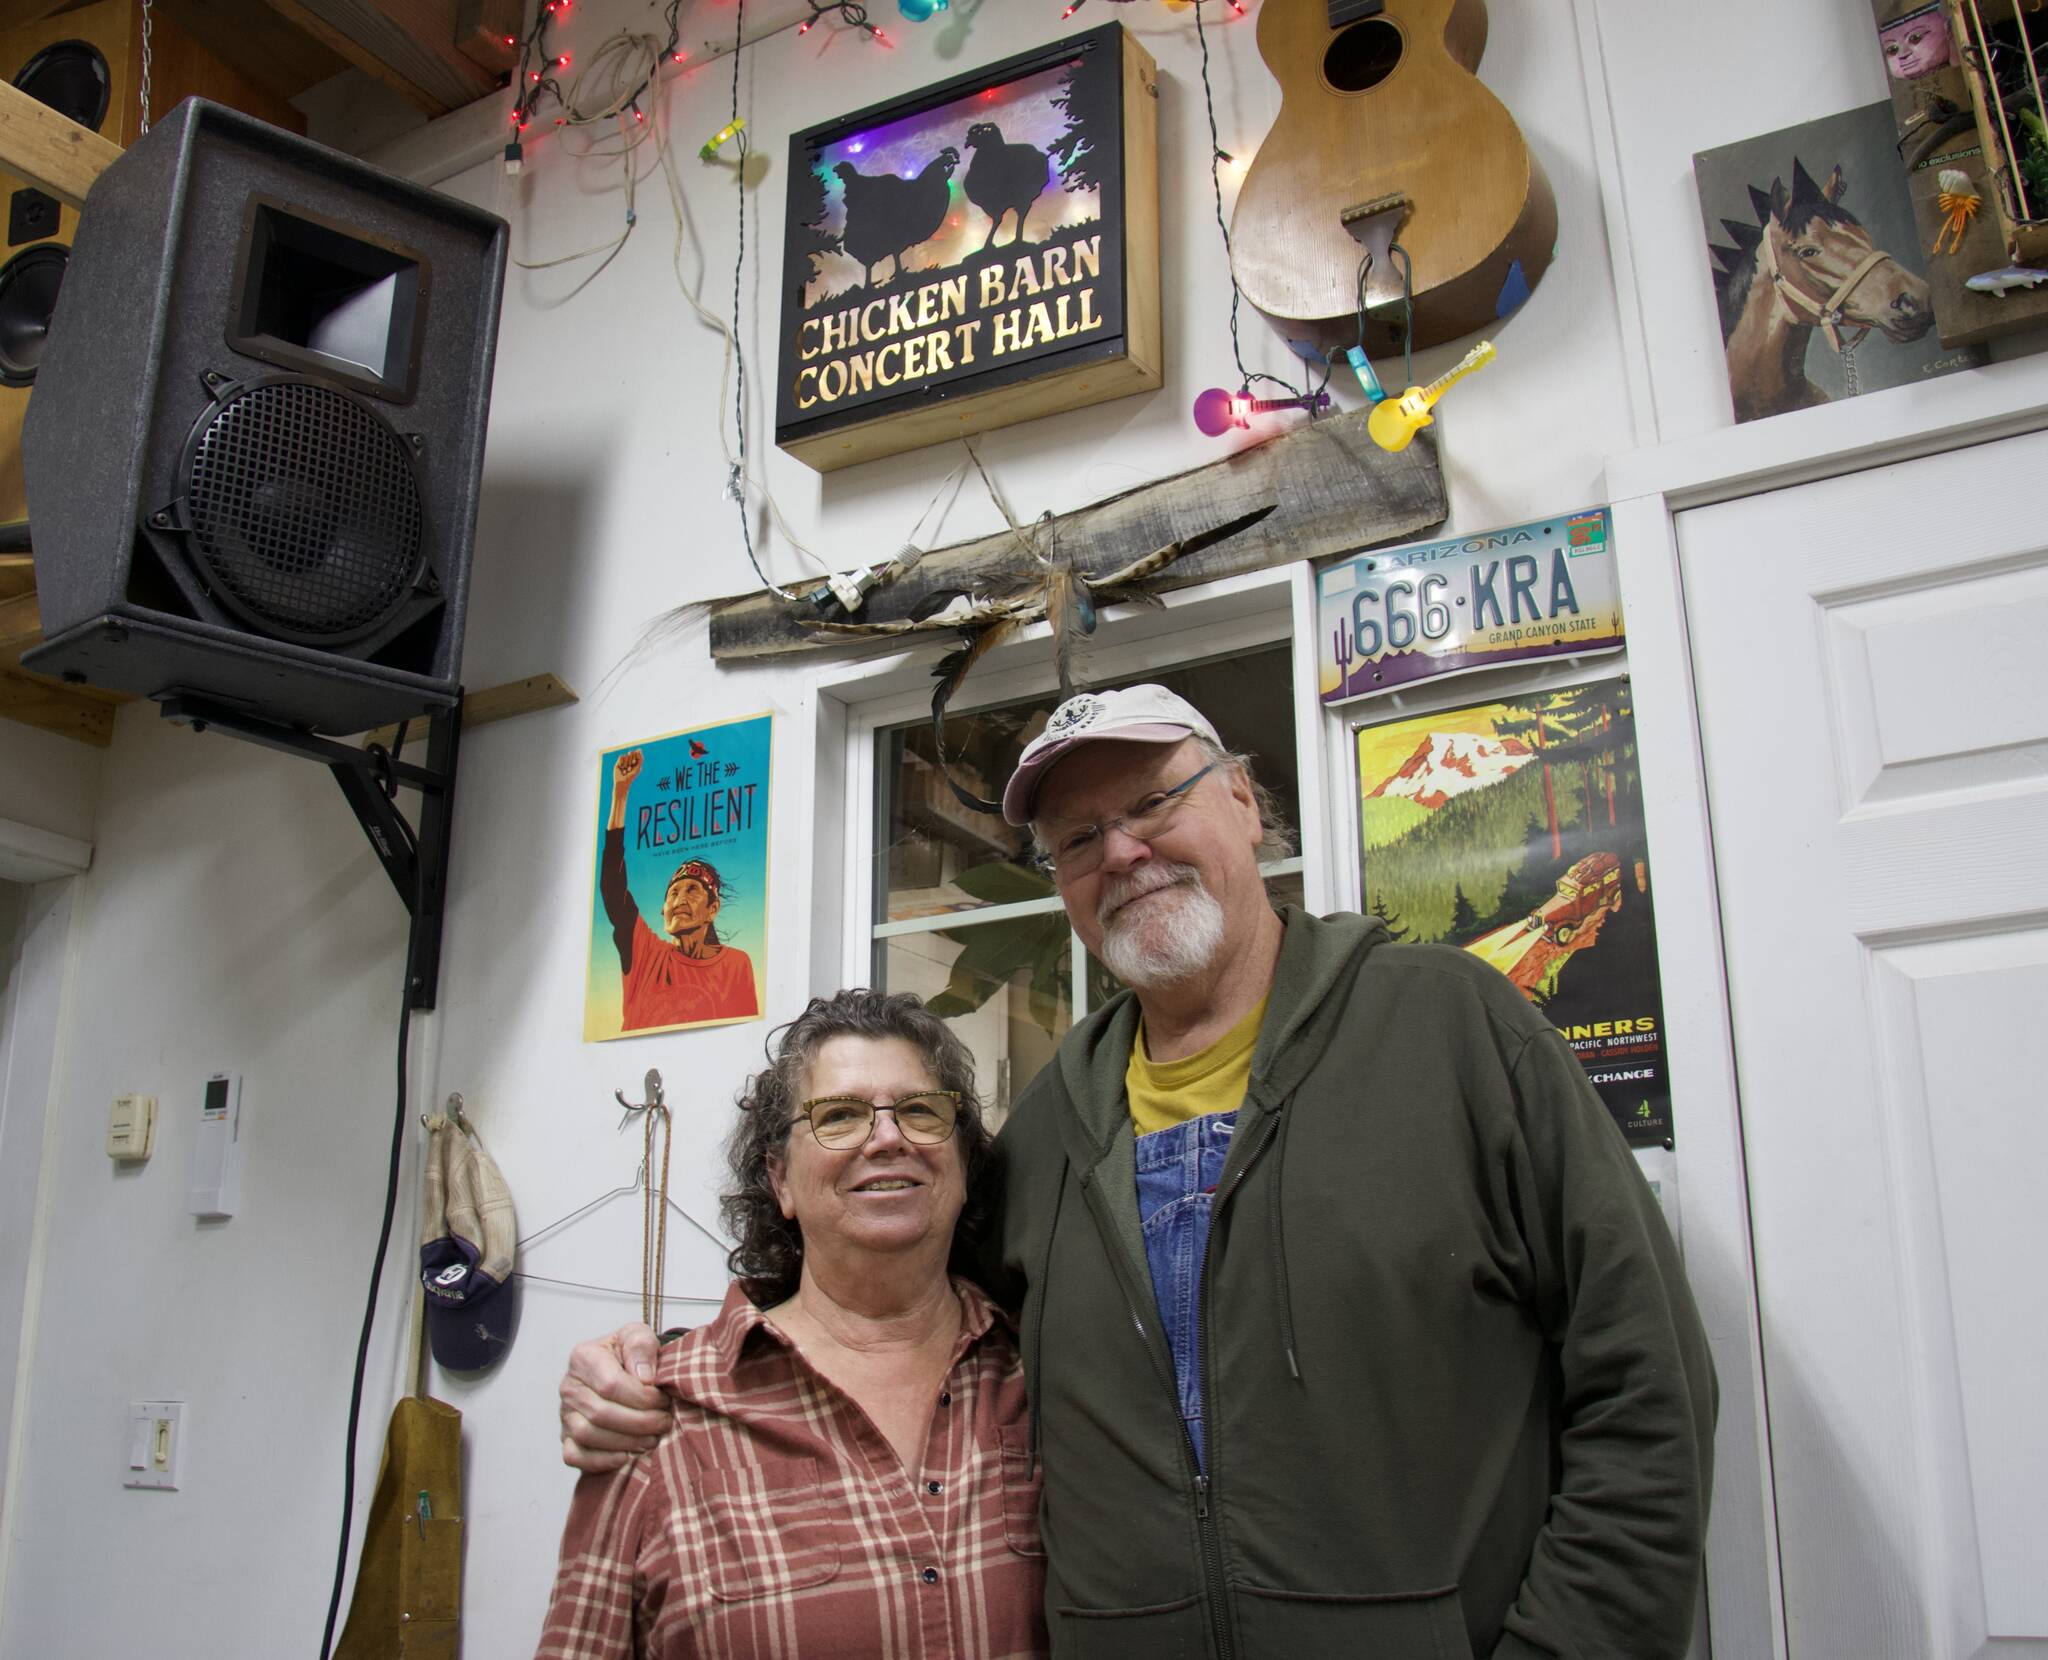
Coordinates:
(1001,882)
(992,953)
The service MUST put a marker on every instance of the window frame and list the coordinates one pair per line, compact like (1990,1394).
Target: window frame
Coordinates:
(849,704)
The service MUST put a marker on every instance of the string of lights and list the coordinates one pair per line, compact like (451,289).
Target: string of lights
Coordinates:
(540,68)
(1171,5)
(1218,159)
(849,12)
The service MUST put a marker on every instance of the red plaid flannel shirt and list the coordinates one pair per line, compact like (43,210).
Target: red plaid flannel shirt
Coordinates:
(774,1522)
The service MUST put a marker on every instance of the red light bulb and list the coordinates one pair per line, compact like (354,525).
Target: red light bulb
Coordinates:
(1217,411)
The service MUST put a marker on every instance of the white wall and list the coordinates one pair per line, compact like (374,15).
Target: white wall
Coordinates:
(234,917)
(47,781)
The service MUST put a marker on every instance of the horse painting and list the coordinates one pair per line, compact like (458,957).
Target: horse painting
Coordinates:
(1806,263)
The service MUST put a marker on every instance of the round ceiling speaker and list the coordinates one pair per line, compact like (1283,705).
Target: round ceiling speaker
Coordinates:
(304,505)
(28,295)
(71,77)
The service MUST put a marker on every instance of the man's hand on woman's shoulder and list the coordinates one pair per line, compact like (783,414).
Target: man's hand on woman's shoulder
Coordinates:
(610,1407)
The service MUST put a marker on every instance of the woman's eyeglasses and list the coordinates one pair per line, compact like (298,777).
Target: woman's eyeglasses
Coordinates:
(842,1121)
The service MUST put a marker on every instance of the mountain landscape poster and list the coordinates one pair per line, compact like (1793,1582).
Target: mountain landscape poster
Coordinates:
(1514,830)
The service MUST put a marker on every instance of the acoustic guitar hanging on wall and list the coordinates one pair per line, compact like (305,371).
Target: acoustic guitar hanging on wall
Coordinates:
(1386,134)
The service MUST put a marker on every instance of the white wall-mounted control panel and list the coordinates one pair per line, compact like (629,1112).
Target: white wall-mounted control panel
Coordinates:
(216,1186)
(131,1127)
(156,1436)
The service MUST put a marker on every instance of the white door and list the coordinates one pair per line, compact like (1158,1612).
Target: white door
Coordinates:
(1871,659)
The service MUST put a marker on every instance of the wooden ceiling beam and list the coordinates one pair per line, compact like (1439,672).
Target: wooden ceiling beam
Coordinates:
(483,26)
(21,624)
(50,151)
(409,45)
(16,14)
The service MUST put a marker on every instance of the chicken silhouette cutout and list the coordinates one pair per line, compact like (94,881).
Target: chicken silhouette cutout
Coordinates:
(1003,178)
(887,216)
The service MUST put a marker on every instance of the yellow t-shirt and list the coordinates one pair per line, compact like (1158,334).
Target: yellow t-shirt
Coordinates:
(1165,1093)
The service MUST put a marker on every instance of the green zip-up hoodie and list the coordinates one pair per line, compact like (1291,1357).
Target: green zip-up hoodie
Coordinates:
(1457,1399)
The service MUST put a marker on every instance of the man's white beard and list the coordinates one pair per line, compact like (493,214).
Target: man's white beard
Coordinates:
(1160,942)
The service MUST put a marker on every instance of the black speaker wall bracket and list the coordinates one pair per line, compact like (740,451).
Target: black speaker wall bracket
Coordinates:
(416,860)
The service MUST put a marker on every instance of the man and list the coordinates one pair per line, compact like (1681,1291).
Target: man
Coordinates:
(698,977)
(1349,1324)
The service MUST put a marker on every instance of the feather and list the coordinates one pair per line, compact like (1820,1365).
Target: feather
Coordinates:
(666,629)
(1060,612)
(1151,564)
(950,671)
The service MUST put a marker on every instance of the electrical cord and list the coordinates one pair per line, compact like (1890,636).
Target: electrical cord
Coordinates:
(1216,154)
(355,1398)
(739,261)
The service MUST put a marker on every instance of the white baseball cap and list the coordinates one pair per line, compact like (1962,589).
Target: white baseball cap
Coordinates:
(1135,714)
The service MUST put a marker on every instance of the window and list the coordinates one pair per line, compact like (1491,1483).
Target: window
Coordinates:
(959,913)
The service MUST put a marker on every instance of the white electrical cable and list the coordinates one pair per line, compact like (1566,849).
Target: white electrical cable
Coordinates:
(624,62)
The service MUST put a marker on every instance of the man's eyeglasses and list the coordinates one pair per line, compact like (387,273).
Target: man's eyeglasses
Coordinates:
(842,1121)
(1077,851)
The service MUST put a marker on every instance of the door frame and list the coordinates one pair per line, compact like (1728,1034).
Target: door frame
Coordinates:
(1648,489)
(33,1010)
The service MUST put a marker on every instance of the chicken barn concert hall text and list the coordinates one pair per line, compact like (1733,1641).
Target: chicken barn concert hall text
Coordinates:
(951,323)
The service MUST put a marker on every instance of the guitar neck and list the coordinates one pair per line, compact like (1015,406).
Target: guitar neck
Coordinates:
(1343,13)
(1479,356)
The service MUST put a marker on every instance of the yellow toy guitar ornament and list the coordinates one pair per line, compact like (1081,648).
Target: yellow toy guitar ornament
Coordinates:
(1395,421)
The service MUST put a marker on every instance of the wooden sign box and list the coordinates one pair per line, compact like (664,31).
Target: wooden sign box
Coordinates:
(982,252)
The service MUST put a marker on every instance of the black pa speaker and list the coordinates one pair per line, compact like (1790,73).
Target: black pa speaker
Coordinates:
(254,450)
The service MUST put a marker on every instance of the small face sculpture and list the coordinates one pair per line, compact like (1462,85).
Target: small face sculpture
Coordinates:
(1915,45)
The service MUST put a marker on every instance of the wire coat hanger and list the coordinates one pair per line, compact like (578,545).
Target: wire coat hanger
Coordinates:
(655,1101)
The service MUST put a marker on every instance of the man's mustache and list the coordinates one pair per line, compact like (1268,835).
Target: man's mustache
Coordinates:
(1121,890)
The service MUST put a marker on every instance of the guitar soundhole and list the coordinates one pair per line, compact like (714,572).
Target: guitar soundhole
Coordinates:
(1362,56)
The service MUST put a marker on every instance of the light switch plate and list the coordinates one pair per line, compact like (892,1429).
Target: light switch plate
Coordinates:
(131,1127)
(156,1442)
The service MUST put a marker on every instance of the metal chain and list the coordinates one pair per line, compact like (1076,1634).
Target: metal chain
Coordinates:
(144,93)
(1849,386)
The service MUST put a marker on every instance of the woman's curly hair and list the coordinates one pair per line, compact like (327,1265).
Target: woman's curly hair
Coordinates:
(768,1260)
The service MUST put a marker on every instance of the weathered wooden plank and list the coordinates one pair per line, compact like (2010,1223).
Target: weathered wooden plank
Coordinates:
(518,697)
(49,150)
(37,702)
(1336,491)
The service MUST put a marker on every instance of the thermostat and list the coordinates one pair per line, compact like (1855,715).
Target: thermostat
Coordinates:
(216,1186)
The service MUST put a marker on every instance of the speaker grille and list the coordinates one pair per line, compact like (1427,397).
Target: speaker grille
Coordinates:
(306,510)
(28,295)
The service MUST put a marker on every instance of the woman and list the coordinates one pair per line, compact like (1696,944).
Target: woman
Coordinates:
(848,1471)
